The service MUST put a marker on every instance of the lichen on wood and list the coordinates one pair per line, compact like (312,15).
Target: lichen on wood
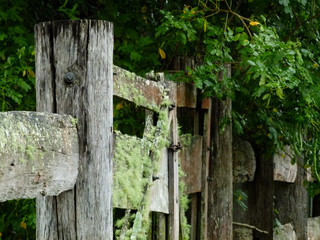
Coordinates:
(131,164)
(38,154)
(142,92)
(135,162)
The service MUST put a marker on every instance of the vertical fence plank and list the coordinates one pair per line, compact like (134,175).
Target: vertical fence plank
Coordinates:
(173,179)
(262,213)
(194,197)
(47,227)
(79,69)
(220,172)
(159,229)
(298,202)
(205,172)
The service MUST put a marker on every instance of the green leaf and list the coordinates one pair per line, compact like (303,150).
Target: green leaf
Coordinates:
(279,92)
(251,63)
(284,2)
(135,56)
(262,80)
(266,96)
(236,37)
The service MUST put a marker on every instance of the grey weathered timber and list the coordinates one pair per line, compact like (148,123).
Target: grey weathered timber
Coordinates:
(149,93)
(38,154)
(158,199)
(196,198)
(283,169)
(293,198)
(173,179)
(205,172)
(190,157)
(143,92)
(244,161)
(285,231)
(313,228)
(186,95)
(220,197)
(83,48)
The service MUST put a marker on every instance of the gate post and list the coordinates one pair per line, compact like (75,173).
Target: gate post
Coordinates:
(74,76)
(220,179)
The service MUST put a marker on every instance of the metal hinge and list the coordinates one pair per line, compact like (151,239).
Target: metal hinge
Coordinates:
(175,147)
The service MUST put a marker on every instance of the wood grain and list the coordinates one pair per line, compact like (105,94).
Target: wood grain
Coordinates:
(83,48)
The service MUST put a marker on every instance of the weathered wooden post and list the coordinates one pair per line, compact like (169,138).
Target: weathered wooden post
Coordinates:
(74,76)
(220,178)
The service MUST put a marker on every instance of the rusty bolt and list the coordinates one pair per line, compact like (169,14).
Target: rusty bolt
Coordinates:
(69,78)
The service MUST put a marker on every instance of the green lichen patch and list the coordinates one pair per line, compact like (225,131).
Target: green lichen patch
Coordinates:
(131,171)
(27,136)
(142,92)
(135,162)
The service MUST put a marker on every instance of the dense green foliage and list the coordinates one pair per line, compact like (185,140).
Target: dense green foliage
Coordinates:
(17,219)
(273,52)
(16,60)
(272,47)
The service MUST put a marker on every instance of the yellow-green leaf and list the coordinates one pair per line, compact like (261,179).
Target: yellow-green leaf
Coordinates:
(162,53)
(186,8)
(254,23)
(119,106)
(205,25)
(31,73)
(23,225)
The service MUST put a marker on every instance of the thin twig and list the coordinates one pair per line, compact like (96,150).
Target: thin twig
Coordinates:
(226,24)
(241,18)
(249,226)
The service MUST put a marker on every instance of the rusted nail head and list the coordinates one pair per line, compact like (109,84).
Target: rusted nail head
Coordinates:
(69,78)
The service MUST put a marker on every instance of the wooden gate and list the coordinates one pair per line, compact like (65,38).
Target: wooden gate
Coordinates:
(72,176)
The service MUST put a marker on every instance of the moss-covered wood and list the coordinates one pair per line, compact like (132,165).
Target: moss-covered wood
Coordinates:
(38,154)
(132,171)
(143,92)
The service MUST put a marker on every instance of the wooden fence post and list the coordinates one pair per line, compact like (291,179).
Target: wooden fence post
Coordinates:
(220,171)
(74,75)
